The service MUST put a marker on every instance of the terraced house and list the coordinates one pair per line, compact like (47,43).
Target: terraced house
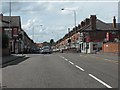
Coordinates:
(11,26)
(91,35)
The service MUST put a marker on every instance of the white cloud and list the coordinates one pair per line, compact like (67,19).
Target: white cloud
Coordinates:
(53,19)
(29,24)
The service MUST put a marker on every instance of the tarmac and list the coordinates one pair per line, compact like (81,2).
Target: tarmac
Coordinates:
(13,57)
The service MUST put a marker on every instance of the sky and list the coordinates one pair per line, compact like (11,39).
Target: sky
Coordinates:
(44,20)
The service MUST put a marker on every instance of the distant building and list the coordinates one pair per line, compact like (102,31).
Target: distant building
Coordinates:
(39,45)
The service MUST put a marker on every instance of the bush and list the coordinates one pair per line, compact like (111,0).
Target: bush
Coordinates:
(5,41)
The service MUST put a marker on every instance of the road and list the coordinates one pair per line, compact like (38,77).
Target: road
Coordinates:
(62,70)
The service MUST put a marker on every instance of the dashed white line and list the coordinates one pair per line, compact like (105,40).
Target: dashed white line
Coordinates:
(79,67)
(63,58)
(108,86)
(71,62)
(66,59)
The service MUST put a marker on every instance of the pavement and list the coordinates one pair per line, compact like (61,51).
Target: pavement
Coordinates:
(12,57)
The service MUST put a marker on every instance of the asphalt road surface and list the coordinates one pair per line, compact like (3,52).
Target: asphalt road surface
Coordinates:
(62,70)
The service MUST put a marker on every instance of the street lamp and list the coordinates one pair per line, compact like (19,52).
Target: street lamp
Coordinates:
(34,28)
(9,24)
(74,15)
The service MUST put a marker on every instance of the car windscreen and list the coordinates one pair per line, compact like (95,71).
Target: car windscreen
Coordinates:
(46,47)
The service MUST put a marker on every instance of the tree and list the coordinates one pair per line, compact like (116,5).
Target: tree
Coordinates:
(51,42)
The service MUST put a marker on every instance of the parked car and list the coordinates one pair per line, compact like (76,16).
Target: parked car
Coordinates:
(46,49)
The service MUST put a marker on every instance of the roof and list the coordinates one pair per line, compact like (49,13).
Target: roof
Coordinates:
(117,25)
(15,21)
(100,25)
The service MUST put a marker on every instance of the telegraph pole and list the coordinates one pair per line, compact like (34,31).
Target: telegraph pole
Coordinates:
(9,24)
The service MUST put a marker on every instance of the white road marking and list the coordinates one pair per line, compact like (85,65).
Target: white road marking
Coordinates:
(79,68)
(71,62)
(63,58)
(108,86)
(66,59)
(106,59)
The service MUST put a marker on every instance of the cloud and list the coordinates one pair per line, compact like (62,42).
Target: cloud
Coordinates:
(55,22)
(29,24)
(26,7)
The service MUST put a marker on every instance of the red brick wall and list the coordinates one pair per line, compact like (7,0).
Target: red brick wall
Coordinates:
(75,37)
(97,36)
(111,47)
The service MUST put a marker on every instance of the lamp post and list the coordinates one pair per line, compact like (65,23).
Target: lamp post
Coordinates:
(74,15)
(33,28)
(9,25)
(74,12)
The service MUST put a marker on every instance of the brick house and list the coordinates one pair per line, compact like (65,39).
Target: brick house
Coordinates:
(94,34)
(28,44)
(90,34)
(12,27)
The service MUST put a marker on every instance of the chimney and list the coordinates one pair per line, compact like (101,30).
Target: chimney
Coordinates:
(87,21)
(93,19)
(1,17)
(114,22)
(79,26)
(82,24)
(76,28)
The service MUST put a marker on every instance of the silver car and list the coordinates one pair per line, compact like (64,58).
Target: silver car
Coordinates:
(46,49)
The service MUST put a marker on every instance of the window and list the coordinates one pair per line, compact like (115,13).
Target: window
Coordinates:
(94,46)
(8,32)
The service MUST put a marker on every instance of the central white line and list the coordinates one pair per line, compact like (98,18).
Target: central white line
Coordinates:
(79,68)
(63,58)
(66,59)
(108,86)
(71,62)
